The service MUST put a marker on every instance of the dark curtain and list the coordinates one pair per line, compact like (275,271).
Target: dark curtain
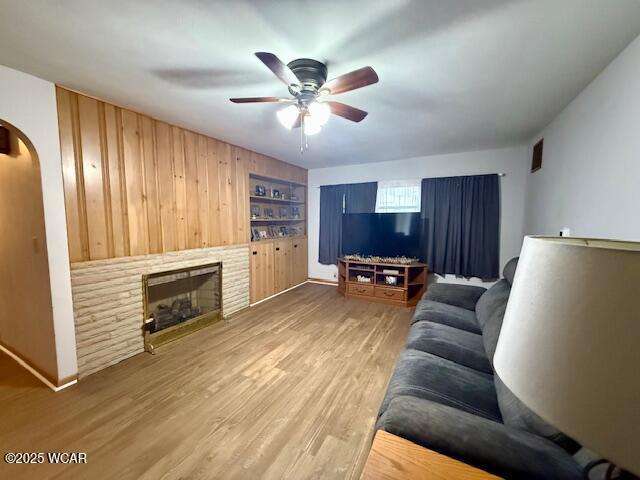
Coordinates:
(354,198)
(463,225)
(331,204)
(360,197)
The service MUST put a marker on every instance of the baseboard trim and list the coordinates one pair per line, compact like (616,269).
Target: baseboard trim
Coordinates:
(36,373)
(279,293)
(320,281)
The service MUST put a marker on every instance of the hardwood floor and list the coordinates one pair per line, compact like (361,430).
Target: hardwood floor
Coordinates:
(287,389)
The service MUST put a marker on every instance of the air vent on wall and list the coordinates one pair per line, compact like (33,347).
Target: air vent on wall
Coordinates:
(536,160)
(5,144)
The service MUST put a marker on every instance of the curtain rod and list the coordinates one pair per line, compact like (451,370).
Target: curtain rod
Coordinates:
(501,174)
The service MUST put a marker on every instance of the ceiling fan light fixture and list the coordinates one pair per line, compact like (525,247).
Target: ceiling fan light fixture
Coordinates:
(320,112)
(288,116)
(311,126)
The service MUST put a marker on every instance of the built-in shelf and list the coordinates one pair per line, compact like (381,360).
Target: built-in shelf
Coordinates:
(258,198)
(277,220)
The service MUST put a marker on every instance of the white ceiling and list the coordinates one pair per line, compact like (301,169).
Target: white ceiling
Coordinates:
(455,75)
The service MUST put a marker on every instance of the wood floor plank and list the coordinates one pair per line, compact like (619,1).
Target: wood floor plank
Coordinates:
(287,389)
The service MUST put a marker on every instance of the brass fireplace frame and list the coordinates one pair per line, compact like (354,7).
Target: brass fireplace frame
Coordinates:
(169,334)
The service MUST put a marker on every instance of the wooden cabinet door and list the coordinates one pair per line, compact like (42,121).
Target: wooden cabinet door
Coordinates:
(262,271)
(283,265)
(299,254)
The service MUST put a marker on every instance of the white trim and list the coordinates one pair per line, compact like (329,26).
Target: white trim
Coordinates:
(279,293)
(35,373)
(320,282)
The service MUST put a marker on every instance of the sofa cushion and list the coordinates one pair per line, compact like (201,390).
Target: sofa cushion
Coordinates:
(517,415)
(509,270)
(492,446)
(491,331)
(427,376)
(464,296)
(457,345)
(491,300)
(437,312)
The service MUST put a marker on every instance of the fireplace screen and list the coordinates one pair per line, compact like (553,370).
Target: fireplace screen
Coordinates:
(179,302)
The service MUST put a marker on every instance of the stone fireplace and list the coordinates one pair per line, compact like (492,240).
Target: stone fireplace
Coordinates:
(109,305)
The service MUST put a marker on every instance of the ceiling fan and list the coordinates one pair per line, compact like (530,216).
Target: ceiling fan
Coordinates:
(307,82)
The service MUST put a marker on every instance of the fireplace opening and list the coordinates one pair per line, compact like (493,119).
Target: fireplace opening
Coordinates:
(178,302)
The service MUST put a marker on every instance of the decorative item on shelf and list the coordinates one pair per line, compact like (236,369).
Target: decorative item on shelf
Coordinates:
(284,231)
(255,234)
(274,231)
(268,212)
(255,212)
(390,271)
(296,231)
(261,191)
(293,197)
(283,212)
(283,196)
(275,193)
(263,234)
(363,279)
(389,280)
(375,259)
(295,212)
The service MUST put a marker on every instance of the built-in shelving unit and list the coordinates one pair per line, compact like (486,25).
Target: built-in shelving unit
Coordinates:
(278,225)
(278,208)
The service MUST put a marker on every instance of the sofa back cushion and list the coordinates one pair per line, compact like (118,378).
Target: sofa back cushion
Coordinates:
(509,271)
(517,415)
(492,300)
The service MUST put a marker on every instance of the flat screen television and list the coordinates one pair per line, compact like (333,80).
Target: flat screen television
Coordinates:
(384,234)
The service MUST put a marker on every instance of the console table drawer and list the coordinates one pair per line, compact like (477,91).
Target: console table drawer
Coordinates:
(360,289)
(390,293)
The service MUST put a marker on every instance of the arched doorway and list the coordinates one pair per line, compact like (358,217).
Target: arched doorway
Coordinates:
(26,314)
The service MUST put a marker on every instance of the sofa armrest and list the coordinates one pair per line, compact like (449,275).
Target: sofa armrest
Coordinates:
(486,444)
(463,296)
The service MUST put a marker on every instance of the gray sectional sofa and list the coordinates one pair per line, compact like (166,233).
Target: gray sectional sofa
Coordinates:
(445,395)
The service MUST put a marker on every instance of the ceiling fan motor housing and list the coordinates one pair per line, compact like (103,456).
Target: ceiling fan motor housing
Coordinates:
(311,73)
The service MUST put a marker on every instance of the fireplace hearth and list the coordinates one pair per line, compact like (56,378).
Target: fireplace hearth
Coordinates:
(179,302)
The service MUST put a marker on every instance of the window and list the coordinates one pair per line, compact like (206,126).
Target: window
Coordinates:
(397,196)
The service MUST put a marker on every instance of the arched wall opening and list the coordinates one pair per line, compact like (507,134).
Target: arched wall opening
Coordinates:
(26,313)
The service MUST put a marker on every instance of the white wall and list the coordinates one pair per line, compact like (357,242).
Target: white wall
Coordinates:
(511,161)
(29,104)
(590,175)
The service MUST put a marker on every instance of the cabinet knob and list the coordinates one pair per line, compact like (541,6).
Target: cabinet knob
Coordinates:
(277,249)
(295,246)
(255,253)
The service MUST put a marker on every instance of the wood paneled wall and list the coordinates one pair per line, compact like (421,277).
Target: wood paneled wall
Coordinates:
(134,185)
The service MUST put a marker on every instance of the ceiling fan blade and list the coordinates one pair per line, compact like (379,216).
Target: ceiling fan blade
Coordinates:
(298,122)
(350,81)
(259,99)
(347,111)
(281,71)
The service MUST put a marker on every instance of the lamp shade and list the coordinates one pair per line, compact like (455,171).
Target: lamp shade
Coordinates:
(569,347)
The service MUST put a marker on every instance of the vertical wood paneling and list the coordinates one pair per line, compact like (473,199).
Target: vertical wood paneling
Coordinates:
(92,147)
(135,186)
(224,189)
(202,180)
(180,186)
(191,180)
(115,191)
(134,180)
(73,188)
(149,171)
(215,232)
(166,187)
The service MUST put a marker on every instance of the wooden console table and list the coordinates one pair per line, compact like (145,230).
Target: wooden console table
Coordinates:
(394,458)
(407,288)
